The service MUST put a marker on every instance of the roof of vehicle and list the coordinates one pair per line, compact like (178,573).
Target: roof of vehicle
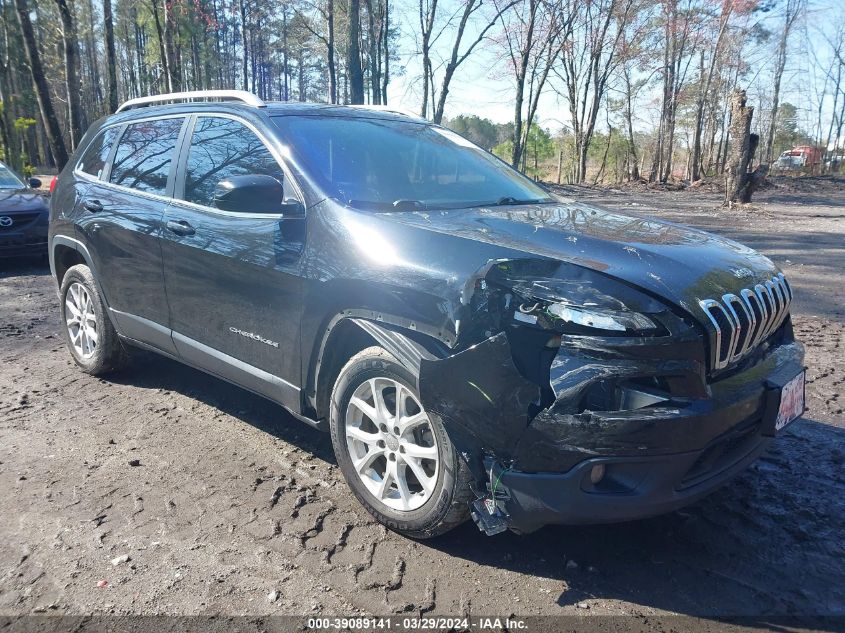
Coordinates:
(244,102)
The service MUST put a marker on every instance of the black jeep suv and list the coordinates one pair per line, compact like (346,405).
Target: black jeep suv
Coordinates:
(475,345)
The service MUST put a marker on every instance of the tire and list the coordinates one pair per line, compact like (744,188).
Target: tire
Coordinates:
(427,512)
(107,353)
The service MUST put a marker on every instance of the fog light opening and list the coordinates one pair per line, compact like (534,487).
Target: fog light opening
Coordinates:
(596,474)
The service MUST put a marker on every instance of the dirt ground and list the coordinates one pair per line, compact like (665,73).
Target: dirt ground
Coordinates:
(233,507)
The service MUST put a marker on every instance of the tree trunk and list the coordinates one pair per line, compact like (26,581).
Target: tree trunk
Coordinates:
(111,63)
(330,52)
(93,60)
(170,34)
(353,54)
(426,28)
(385,75)
(633,170)
(739,183)
(42,89)
(244,36)
(71,46)
(372,36)
(161,47)
(521,74)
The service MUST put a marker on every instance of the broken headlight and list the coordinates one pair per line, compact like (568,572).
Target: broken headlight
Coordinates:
(601,320)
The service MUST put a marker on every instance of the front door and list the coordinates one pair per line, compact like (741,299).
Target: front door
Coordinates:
(233,278)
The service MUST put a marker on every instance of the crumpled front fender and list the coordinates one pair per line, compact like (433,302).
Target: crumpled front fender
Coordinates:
(481,397)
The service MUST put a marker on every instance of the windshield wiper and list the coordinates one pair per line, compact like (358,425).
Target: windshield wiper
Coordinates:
(408,205)
(510,200)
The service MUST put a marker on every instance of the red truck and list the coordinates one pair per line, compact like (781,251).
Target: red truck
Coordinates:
(800,158)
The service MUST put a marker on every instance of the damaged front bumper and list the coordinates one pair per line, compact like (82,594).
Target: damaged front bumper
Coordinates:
(674,436)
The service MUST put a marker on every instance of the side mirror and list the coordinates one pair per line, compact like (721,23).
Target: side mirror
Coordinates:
(253,194)
(35,183)
(293,208)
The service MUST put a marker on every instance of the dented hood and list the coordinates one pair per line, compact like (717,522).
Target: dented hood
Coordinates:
(675,262)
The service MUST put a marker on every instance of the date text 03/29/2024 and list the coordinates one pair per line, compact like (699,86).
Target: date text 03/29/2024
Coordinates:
(415,624)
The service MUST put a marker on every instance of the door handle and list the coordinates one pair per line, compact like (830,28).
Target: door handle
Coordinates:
(94,206)
(180,227)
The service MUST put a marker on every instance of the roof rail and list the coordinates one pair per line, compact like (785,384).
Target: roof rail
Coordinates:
(387,108)
(222,95)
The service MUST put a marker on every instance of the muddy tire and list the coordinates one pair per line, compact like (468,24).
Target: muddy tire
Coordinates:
(88,331)
(396,458)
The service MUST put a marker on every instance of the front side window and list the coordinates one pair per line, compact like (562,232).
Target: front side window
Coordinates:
(95,157)
(381,164)
(222,148)
(144,155)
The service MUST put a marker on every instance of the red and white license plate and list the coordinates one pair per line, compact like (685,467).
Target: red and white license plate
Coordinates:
(791,402)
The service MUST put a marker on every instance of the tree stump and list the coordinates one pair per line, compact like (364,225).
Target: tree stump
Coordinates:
(739,183)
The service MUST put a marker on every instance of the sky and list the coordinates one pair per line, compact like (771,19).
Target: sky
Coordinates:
(481,85)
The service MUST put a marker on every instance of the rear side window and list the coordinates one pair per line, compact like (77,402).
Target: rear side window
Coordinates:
(94,158)
(144,155)
(222,148)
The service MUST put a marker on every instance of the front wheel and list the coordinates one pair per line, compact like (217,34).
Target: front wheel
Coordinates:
(396,457)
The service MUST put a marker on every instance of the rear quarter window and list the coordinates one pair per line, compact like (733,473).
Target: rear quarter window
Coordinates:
(145,154)
(94,159)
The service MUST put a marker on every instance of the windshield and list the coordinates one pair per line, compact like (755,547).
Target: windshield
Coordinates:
(8,180)
(397,165)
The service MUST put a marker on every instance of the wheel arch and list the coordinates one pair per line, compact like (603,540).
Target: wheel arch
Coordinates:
(66,252)
(348,334)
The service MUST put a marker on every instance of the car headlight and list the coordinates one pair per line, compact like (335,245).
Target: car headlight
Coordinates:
(601,320)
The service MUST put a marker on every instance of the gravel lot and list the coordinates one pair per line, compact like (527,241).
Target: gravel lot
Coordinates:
(224,504)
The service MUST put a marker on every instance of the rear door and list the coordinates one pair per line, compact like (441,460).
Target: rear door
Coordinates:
(233,278)
(121,220)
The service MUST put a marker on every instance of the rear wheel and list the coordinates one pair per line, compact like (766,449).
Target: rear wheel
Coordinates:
(90,336)
(396,457)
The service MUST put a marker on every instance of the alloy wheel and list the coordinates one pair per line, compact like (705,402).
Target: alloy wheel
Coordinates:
(392,444)
(81,320)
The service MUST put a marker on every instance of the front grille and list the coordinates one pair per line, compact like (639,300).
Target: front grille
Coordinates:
(17,221)
(741,321)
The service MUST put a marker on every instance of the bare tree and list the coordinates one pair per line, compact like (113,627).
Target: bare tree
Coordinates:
(532,36)
(635,53)
(165,59)
(427,15)
(705,82)
(111,63)
(678,22)
(587,64)
(353,53)
(42,89)
(792,10)
(72,86)
(458,56)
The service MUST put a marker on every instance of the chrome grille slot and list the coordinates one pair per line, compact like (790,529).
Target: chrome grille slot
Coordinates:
(742,321)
